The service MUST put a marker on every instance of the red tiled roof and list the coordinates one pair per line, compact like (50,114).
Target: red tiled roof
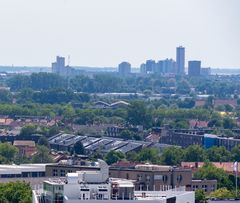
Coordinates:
(226,166)
(198,124)
(200,103)
(222,102)
(24,143)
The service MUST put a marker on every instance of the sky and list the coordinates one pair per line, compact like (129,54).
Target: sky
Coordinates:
(106,32)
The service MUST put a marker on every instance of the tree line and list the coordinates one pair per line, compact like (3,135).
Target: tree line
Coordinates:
(111,82)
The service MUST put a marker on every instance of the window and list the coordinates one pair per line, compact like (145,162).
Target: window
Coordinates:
(165,178)
(179,178)
(62,173)
(139,177)
(148,178)
(34,174)
(100,196)
(55,172)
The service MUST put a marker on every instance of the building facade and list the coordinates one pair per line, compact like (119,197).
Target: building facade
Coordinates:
(157,177)
(194,68)
(124,68)
(180,59)
(97,186)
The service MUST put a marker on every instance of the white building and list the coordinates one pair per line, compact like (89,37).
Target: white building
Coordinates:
(95,186)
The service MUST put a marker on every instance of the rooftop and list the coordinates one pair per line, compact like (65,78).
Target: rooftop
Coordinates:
(24,143)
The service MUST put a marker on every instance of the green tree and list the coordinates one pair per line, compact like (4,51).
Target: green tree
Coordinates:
(210,172)
(5,96)
(194,153)
(138,114)
(53,131)
(26,95)
(85,117)
(183,87)
(15,192)
(222,193)
(200,196)
(42,155)
(228,108)
(131,156)
(113,157)
(79,148)
(215,123)
(236,153)
(218,154)
(172,156)
(228,123)
(149,155)
(126,134)
(28,130)
(7,152)
(43,141)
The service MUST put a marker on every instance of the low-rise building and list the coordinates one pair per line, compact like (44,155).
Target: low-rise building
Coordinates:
(158,177)
(22,171)
(26,147)
(96,186)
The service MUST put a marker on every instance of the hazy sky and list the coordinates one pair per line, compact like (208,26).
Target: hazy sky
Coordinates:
(106,32)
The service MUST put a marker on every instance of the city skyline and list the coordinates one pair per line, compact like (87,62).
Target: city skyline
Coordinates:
(102,34)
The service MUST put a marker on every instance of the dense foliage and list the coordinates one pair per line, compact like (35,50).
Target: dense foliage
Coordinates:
(15,192)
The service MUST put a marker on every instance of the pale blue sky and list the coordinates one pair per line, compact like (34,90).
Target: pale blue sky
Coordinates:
(106,32)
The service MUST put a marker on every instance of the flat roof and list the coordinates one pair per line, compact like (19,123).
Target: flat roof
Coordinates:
(18,169)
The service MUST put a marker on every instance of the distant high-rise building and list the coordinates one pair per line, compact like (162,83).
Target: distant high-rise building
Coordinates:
(160,67)
(124,68)
(166,66)
(58,66)
(205,71)
(150,66)
(143,68)
(180,59)
(194,68)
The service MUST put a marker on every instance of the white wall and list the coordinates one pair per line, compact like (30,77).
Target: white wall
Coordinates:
(188,197)
(34,197)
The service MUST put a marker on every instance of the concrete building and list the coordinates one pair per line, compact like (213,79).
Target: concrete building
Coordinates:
(124,68)
(150,66)
(96,186)
(60,68)
(143,69)
(168,66)
(180,59)
(186,138)
(205,71)
(159,177)
(22,171)
(61,169)
(194,68)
